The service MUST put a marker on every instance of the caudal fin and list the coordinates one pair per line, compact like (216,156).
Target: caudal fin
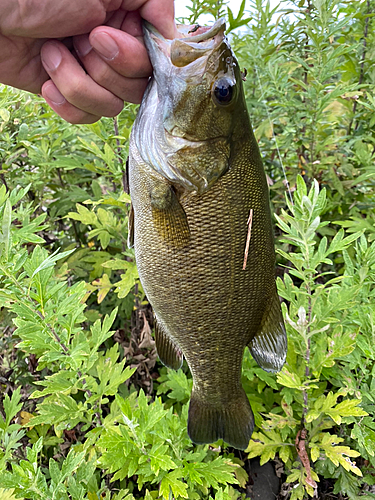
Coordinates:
(233,422)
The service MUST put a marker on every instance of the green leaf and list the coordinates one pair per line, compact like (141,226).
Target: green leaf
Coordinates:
(50,260)
(84,215)
(339,455)
(127,281)
(59,408)
(159,458)
(103,285)
(289,379)
(4,114)
(365,437)
(8,494)
(12,406)
(347,408)
(71,463)
(5,227)
(265,445)
(171,482)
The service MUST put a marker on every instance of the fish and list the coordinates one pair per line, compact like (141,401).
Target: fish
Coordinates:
(201,227)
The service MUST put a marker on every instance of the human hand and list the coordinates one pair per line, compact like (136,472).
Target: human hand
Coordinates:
(77,96)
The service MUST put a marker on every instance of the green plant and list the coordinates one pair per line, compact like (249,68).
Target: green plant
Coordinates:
(76,325)
(83,391)
(312,415)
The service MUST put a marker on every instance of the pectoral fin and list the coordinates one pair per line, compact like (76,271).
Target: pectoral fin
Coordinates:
(131,227)
(169,353)
(269,346)
(168,216)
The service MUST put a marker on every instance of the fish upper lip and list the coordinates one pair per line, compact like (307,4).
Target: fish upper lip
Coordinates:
(218,26)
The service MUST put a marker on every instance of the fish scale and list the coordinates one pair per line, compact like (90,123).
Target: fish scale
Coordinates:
(189,247)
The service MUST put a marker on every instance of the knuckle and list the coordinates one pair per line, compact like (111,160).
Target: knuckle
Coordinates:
(76,90)
(103,75)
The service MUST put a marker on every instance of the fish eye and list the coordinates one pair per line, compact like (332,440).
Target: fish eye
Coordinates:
(223,91)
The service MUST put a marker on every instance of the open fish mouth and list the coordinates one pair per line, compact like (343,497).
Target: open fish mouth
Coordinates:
(195,41)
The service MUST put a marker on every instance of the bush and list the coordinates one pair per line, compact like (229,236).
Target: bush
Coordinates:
(86,410)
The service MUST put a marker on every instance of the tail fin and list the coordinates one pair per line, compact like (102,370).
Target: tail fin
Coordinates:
(233,422)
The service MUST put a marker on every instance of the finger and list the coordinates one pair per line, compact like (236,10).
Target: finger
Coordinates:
(78,88)
(115,19)
(63,108)
(159,13)
(126,88)
(122,68)
(125,82)
(125,53)
(132,24)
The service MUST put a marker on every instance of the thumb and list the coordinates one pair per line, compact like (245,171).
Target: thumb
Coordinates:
(160,13)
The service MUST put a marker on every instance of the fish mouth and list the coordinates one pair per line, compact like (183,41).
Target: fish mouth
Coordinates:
(186,31)
(188,47)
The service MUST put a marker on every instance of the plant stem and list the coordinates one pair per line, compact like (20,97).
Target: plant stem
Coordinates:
(66,351)
(307,358)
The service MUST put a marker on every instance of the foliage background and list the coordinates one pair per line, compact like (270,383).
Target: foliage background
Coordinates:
(86,410)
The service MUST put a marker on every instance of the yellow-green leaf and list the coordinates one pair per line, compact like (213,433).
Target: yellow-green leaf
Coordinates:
(103,285)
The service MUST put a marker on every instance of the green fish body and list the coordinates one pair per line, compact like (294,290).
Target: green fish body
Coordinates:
(202,228)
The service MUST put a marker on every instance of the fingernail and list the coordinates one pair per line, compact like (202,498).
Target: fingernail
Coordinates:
(53,94)
(105,45)
(82,45)
(51,57)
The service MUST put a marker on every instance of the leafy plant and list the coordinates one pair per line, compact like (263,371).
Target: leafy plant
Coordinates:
(97,416)
(315,409)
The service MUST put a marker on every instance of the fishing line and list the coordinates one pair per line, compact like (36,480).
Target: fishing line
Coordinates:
(273,135)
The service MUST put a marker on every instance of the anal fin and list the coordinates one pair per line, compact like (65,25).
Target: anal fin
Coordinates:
(269,345)
(169,353)
(168,216)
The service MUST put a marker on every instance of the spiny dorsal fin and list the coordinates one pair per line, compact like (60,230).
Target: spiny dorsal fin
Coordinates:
(168,216)
(269,346)
(169,353)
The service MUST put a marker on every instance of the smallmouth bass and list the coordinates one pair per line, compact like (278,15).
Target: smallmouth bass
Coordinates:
(199,204)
